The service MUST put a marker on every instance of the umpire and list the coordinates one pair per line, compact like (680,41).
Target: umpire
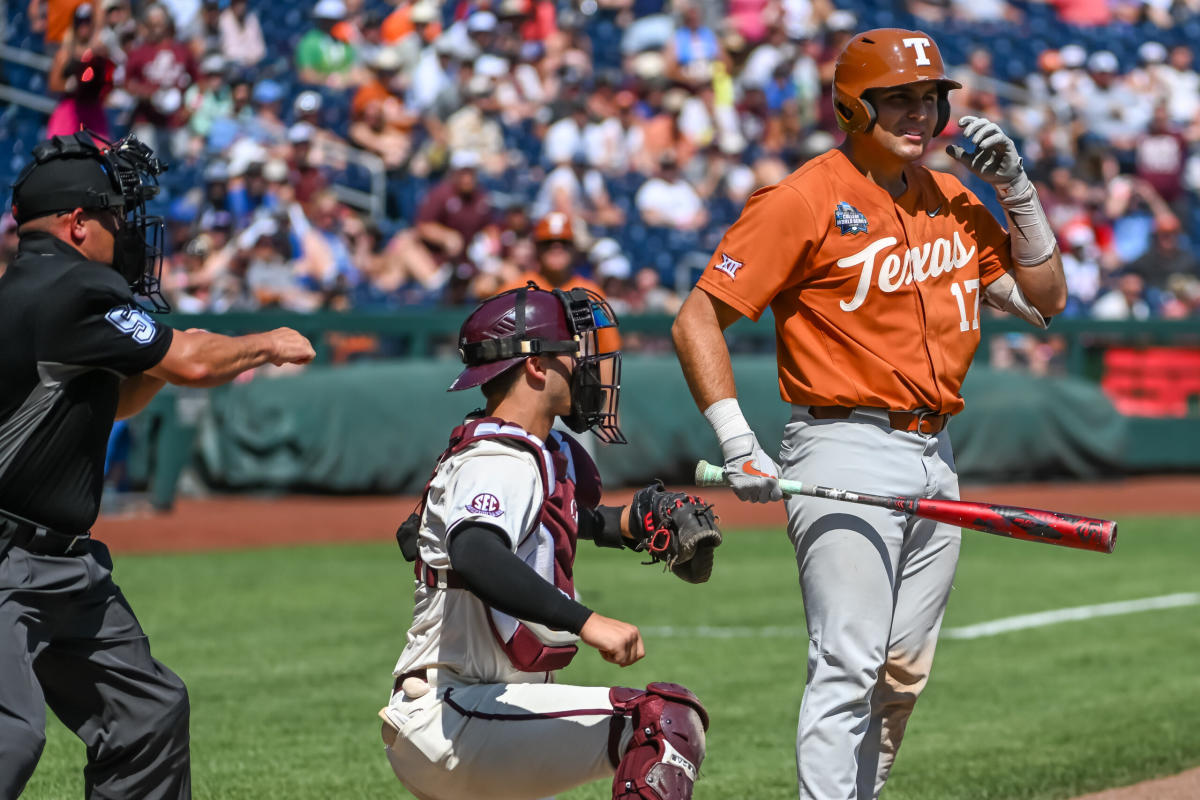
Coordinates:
(77,352)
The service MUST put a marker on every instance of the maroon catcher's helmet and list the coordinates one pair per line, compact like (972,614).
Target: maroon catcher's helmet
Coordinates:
(508,328)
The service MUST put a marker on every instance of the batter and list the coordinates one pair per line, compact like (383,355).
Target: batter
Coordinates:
(875,268)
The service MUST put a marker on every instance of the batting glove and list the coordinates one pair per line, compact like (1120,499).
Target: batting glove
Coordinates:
(995,158)
(750,472)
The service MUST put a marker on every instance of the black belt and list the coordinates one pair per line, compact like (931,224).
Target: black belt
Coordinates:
(43,541)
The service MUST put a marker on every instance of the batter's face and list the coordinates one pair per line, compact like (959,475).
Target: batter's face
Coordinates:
(905,117)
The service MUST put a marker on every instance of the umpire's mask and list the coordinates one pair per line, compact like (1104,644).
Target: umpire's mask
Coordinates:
(506,329)
(69,172)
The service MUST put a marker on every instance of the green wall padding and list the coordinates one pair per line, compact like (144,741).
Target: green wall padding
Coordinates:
(378,427)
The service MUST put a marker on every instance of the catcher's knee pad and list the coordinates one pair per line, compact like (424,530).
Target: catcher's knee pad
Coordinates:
(663,758)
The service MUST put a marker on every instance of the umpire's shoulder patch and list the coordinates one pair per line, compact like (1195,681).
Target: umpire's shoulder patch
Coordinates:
(133,322)
(728,265)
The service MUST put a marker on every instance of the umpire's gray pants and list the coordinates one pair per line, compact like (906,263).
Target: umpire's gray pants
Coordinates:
(70,640)
(875,585)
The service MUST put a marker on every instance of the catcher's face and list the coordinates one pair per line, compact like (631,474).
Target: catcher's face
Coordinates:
(558,382)
(905,118)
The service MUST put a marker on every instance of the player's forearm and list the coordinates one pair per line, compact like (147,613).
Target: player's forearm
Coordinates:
(495,575)
(702,351)
(136,392)
(1044,285)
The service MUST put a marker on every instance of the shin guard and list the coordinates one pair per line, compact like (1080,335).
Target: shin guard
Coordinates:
(663,759)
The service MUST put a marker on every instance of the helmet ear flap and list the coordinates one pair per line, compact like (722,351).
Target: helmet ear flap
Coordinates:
(855,114)
(943,107)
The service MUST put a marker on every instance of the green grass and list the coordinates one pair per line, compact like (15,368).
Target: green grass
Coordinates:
(288,653)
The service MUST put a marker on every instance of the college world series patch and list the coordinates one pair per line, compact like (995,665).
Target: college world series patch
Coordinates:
(849,219)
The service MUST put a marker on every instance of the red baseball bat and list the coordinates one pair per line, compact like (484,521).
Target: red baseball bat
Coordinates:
(1029,524)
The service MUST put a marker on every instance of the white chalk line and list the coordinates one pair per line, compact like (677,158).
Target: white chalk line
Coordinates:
(976,631)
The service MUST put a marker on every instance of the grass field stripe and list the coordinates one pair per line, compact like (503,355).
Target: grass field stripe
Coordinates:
(1043,618)
(977,631)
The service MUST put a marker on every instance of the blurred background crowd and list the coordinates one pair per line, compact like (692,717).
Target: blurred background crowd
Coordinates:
(360,154)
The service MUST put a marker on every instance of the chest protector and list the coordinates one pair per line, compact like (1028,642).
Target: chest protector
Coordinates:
(569,479)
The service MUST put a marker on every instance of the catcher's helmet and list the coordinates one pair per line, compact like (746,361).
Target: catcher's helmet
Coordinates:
(508,328)
(882,58)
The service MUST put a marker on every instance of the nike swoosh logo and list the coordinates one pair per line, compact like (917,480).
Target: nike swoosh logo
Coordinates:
(750,469)
(935,212)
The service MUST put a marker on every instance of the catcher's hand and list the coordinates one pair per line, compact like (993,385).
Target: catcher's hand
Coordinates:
(677,529)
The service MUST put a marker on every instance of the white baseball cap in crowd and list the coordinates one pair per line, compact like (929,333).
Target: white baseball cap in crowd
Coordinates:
(386,59)
(464,159)
(841,20)
(1152,52)
(1103,61)
(301,132)
(275,170)
(212,64)
(1073,56)
(329,9)
(617,266)
(308,102)
(423,12)
(481,22)
(603,248)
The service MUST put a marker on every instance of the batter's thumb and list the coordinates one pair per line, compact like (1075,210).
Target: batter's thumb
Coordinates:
(957,153)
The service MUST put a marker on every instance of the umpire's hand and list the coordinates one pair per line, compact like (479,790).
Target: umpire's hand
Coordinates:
(289,347)
(618,642)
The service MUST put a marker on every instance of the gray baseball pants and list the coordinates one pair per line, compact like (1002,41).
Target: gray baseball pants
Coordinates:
(875,584)
(69,639)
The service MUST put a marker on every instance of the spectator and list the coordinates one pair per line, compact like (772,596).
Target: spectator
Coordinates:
(1081,267)
(693,50)
(307,176)
(557,258)
(1182,86)
(1167,255)
(82,73)
(209,98)
(476,127)
(668,200)
(383,88)
(1125,301)
(371,131)
(407,18)
(241,35)
(453,212)
(1160,155)
(320,58)
(157,73)
(203,35)
(575,189)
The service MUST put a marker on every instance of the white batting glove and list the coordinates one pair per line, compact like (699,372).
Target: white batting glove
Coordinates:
(995,158)
(750,472)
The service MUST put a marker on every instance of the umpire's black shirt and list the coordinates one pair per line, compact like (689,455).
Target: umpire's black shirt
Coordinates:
(70,330)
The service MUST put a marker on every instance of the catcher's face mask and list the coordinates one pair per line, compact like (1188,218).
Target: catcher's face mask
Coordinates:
(596,381)
(508,328)
(130,178)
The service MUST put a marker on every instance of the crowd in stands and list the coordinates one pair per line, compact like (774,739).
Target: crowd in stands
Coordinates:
(645,123)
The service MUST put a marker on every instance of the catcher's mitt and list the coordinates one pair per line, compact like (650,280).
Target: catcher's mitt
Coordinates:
(677,529)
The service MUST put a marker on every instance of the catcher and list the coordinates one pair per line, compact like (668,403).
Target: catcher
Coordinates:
(474,710)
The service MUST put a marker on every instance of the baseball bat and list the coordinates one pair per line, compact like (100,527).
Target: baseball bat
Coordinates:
(1029,524)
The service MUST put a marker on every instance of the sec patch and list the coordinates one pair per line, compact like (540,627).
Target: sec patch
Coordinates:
(485,503)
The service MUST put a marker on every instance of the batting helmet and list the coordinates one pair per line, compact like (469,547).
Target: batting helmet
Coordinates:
(880,59)
(554,227)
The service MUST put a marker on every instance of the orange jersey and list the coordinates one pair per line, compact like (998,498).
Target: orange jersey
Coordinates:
(876,299)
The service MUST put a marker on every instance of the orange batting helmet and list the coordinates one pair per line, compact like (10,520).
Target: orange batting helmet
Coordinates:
(880,59)
(554,227)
